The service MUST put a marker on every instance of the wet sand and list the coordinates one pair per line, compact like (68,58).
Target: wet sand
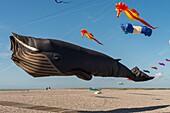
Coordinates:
(85,101)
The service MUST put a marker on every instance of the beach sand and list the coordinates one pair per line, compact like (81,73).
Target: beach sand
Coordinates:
(85,101)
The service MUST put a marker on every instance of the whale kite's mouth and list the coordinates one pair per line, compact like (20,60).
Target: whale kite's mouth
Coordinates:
(18,42)
(33,62)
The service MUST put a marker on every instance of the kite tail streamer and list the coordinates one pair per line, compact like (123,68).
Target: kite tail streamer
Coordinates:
(141,20)
(144,22)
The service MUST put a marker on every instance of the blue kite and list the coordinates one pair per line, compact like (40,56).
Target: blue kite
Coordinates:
(129,28)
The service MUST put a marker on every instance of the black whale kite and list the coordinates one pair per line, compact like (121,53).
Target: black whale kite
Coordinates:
(48,57)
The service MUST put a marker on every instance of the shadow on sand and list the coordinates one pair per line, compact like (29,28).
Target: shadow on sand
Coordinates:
(106,97)
(142,94)
(129,110)
(55,109)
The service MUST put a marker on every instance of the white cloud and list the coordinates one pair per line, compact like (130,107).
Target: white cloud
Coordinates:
(158,75)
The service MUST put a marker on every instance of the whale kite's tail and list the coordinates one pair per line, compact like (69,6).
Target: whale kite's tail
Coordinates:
(139,75)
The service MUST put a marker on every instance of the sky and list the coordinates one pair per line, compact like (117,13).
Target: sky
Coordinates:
(64,21)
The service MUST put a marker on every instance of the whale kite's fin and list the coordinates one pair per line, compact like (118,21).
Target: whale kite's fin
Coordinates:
(82,75)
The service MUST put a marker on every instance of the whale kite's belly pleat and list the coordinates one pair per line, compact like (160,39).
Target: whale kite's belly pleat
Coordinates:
(36,65)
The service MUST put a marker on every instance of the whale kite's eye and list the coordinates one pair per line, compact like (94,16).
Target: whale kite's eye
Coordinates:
(56,57)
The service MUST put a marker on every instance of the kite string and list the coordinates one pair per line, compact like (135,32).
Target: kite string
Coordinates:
(154,57)
(52,14)
(108,4)
(82,8)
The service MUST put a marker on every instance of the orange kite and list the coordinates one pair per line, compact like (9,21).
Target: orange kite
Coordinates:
(153,67)
(131,14)
(89,36)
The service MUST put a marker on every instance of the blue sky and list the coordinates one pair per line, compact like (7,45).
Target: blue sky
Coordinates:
(47,19)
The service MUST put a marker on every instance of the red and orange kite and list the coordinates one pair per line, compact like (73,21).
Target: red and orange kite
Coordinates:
(89,36)
(131,14)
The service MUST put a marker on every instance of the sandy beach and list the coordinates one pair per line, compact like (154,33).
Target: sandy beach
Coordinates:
(85,101)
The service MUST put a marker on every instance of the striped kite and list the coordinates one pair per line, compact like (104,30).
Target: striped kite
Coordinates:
(129,28)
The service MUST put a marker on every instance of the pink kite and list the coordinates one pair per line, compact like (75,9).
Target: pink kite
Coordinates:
(160,63)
